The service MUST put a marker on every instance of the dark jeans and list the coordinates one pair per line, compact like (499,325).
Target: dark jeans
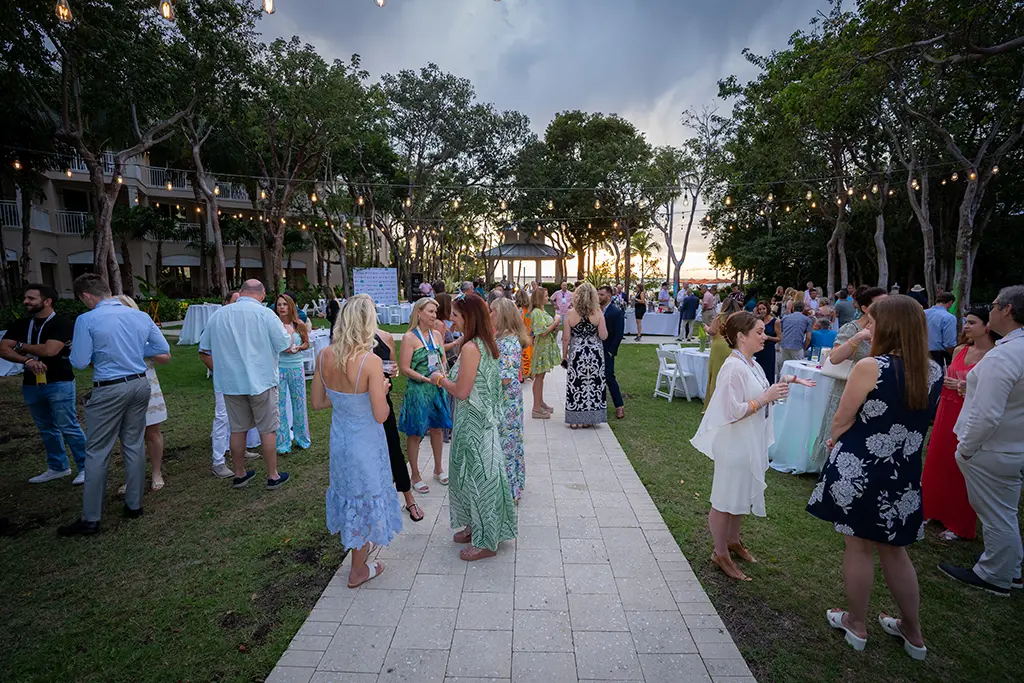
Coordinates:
(52,407)
(609,377)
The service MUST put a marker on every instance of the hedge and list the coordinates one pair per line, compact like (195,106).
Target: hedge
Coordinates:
(170,309)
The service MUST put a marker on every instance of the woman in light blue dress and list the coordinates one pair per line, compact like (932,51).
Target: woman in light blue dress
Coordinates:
(361,503)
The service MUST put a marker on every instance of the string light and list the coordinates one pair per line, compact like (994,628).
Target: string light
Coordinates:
(198,210)
(955,177)
(874,189)
(973,175)
(268,6)
(849,192)
(455,204)
(814,205)
(771,197)
(360,201)
(408,202)
(64,11)
(615,224)
(313,197)
(216,190)
(67,172)
(892,192)
(167,10)
(120,180)
(787,208)
(864,197)
(263,194)
(17,165)
(597,203)
(503,205)
(728,200)
(943,181)
(810,195)
(551,205)
(380,3)
(995,169)
(839,201)
(169,186)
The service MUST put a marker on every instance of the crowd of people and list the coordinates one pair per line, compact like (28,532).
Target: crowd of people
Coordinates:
(888,358)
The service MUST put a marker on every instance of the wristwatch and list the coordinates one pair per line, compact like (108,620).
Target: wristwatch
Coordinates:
(18,346)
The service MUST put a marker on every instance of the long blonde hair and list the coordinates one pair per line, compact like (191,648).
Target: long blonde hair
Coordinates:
(509,321)
(584,300)
(414,317)
(354,330)
(127,301)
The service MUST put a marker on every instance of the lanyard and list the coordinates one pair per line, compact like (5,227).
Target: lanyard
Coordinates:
(31,328)
(429,345)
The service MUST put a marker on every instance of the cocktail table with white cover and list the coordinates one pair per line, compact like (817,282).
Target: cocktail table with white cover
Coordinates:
(798,419)
(318,341)
(7,368)
(666,324)
(696,362)
(196,318)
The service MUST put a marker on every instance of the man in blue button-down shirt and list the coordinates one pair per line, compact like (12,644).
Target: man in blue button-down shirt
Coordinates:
(941,329)
(115,340)
(241,344)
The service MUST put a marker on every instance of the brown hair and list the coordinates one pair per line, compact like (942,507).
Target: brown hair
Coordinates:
(537,300)
(444,306)
(901,330)
(522,299)
(293,316)
(476,322)
(737,323)
(91,283)
(866,295)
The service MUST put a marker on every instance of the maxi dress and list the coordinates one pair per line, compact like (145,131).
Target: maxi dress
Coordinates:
(585,397)
(510,426)
(361,503)
(478,488)
(819,452)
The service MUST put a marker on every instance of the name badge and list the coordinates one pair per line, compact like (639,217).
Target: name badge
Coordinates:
(433,361)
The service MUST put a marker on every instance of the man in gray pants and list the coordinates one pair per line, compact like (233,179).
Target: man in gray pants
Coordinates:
(990,454)
(115,339)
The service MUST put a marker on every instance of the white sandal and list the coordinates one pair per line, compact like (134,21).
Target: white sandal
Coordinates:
(835,620)
(442,478)
(420,487)
(376,569)
(891,626)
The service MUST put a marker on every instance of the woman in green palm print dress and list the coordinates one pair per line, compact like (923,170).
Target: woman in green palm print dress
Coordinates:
(479,493)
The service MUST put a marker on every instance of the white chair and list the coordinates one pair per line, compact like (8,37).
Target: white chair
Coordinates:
(670,346)
(305,309)
(394,315)
(673,375)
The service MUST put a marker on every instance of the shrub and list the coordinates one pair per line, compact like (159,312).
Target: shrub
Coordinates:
(71,308)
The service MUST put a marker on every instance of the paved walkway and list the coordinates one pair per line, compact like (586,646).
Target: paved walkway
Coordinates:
(595,588)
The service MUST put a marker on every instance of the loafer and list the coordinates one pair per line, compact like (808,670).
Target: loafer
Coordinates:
(242,482)
(79,527)
(132,514)
(273,484)
(967,576)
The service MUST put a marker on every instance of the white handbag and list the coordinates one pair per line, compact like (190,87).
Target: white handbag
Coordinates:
(836,370)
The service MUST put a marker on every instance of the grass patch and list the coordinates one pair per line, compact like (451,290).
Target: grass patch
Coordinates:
(210,585)
(778,619)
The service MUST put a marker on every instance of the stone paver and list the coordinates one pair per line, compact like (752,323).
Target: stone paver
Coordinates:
(594,589)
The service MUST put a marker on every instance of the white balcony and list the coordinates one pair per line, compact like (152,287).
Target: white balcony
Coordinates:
(71,222)
(159,177)
(10,216)
(76,163)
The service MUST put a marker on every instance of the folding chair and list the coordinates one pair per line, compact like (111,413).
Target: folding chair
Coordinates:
(670,346)
(673,375)
(394,315)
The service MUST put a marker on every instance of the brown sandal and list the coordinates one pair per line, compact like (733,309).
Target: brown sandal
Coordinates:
(473,554)
(742,552)
(729,568)
(464,536)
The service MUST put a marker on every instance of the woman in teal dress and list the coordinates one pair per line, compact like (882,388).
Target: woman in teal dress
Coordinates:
(424,406)
(480,496)
(512,339)
(546,356)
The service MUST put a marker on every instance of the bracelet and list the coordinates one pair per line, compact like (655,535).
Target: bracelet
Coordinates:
(438,382)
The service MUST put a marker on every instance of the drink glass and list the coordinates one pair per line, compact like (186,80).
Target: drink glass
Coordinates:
(390,368)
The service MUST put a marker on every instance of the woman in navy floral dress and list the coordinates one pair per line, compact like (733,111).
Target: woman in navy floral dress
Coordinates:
(870,487)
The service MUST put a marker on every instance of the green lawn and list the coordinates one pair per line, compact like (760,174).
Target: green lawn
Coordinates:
(778,619)
(209,585)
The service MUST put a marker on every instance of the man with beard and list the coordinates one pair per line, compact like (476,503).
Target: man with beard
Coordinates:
(40,342)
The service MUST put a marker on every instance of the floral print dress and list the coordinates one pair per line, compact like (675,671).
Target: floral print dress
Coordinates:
(870,486)
(510,427)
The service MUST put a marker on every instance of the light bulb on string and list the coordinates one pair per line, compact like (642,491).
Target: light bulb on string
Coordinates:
(263,194)
(455,204)
(771,197)
(268,6)
(503,205)
(64,11)
(17,165)
(198,210)
(761,212)
(955,177)
(728,200)
(839,201)
(864,197)
(973,175)
(810,195)
(216,190)
(787,208)
(169,185)
(995,169)
(590,226)
(67,172)
(597,203)
(814,205)
(167,10)
(380,3)
(874,189)
(551,205)
(892,192)
(408,202)
(615,224)
(120,180)
(849,192)
(943,181)
(313,198)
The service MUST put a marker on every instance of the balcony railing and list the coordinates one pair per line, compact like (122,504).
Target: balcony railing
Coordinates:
(71,222)
(159,177)
(234,191)
(10,217)
(76,163)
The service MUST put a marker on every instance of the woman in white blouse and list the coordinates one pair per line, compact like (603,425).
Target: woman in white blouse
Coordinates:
(736,432)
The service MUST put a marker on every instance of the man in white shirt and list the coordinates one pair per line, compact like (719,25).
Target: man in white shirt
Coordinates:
(664,296)
(812,299)
(562,300)
(807,292)
(990,452)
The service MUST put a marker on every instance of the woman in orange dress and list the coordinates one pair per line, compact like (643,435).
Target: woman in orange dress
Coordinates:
(523,303)
(943,491)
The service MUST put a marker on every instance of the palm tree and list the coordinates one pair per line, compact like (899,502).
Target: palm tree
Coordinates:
(645,247)
(237,232)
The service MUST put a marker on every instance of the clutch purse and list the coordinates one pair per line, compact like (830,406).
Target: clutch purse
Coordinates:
(836,370)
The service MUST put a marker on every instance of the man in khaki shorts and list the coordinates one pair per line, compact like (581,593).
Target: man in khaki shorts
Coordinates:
(242,342)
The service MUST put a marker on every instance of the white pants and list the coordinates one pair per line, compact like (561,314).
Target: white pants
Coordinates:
(221,433)
(993,487)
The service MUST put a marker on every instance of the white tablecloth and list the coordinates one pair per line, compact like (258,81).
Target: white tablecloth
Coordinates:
(318,341)
(654,323)
(798,419)
(384,313)
(696,362)
(196,318)
(7,368)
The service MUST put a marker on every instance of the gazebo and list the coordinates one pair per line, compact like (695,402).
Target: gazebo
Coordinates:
(520,245)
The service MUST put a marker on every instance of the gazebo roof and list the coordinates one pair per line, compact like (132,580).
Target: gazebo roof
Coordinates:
(522,250)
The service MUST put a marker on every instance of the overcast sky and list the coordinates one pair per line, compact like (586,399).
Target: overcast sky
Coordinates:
(646,60)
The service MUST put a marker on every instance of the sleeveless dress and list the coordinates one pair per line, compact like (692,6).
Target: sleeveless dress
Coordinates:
(510,426)
(943,489)
(719,352)
(766,356)
(478,488)
(545,349)
(451,355)
(585,401)
(870,486)
(528,351)
(819,452)
(156,411)
(361,502)
(399,470)
(424,406)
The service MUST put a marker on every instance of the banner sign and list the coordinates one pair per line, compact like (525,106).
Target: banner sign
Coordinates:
(380,283)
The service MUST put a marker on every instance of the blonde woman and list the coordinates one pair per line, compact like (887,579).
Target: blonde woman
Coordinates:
(425,406)
(585,329)
(155,414)
(349,378)
(544,329)
(512,338)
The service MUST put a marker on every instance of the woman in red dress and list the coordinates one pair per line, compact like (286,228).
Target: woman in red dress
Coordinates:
(943,491)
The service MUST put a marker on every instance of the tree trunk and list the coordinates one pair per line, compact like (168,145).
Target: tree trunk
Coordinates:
(964,242)
(238,264)
(880,252)
(26,236)
(833,249)
(6,298)
(159,262)
(127,272)
(844,271)
(627,259)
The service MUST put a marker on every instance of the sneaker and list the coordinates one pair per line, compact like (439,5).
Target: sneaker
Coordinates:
(222,471)
(251,455)
(50,475)
(79,478)
(273,484)
(971,579)
(242,482)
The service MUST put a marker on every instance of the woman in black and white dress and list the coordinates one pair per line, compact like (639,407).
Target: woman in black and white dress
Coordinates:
(583,354)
